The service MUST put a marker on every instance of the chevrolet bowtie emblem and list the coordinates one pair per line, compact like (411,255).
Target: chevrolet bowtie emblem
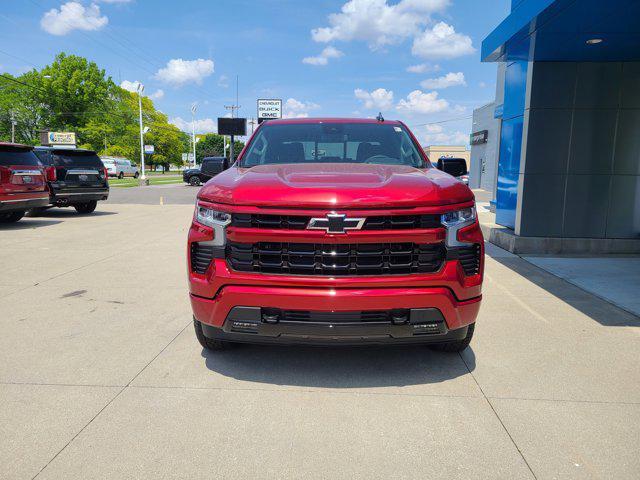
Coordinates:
(336,223)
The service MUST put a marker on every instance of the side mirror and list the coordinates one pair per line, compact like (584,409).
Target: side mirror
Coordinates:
(213,166)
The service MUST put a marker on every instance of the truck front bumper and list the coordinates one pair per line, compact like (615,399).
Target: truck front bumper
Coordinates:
(328,316)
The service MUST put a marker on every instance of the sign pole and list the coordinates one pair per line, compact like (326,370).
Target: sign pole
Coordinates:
(231,151)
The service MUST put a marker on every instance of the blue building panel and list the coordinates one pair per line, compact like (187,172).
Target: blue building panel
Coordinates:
(515,90)
(508,171)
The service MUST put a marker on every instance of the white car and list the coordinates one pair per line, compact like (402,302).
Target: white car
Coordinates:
(120,167)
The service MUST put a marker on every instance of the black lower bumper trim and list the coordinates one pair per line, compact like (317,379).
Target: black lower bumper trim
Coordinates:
(256,325)
(71,198)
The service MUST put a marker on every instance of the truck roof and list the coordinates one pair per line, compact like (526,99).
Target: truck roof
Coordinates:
(299,121)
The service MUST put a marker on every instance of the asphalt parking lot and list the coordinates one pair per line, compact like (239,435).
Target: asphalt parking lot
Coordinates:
(101,375)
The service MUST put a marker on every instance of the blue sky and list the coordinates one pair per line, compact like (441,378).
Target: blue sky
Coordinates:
(322,57)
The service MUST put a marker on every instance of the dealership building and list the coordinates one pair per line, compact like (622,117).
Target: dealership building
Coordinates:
(561,143)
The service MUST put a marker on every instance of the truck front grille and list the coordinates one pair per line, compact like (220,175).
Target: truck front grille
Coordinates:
(297,222)
(469,258)
(335,259)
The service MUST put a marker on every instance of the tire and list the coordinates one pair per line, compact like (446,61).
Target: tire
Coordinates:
(87,207)
(458,345)
(120,175)
(36,212)
(136,175)
(208,343)
(11,217)
(194,181)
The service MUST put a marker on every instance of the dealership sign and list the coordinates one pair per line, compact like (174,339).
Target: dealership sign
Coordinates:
(58,139)
(478,138)
(149,149)
(269,108)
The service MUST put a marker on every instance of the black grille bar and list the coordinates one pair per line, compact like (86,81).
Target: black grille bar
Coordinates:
(297,222)
(336,259)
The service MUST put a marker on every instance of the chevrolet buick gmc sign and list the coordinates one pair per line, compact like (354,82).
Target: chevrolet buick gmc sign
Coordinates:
(269,108)
(58,138)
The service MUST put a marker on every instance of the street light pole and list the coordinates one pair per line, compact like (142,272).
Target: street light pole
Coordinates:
(194,107)
(140,90)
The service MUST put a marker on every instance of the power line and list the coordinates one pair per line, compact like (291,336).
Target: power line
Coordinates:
(144,57)
(442,121)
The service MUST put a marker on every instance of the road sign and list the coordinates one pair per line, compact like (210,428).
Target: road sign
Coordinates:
(149,149)
(269,108)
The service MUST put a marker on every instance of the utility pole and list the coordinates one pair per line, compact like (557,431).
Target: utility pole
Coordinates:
(194,107)
(140,89)
(13,127)
(233,108)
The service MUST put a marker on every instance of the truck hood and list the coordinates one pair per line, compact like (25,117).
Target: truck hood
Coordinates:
(334,185)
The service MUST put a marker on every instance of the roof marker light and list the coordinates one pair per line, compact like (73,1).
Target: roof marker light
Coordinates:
(594,41)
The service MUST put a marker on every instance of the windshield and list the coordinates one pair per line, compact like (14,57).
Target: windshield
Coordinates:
(17,156)
(374,143)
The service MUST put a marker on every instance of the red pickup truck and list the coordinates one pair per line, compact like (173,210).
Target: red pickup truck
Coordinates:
(22,182)
(334,231)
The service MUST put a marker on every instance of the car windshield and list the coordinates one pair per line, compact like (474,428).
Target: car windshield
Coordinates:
(17,156)
(373,143)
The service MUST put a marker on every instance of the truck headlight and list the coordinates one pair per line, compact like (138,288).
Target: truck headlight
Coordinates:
(465,216)
(454,221)
(215,219)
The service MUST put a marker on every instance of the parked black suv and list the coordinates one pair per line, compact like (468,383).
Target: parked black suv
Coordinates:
(199,175)
(77,178)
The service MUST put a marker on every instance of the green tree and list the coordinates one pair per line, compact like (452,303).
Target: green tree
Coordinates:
(211,145)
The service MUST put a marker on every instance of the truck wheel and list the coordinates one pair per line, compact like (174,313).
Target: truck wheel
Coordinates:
(208,343)
(120,175)
(11,217)
(458,345)
(194,181)
(136,175)
(87,207)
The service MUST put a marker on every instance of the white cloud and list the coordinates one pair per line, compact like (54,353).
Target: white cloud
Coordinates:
(113,1)
(379,98)
(223,81)
(449,80)
(436,135)
(423,68)
(421,102)
(130,86)
(179,72)
(441,41)
(296,109)
(378,22)
(483,85)
(157,95)
(323,58)
(203,125)
(73,16)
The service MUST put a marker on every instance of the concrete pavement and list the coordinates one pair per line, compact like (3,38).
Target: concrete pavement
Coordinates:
(101,376)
